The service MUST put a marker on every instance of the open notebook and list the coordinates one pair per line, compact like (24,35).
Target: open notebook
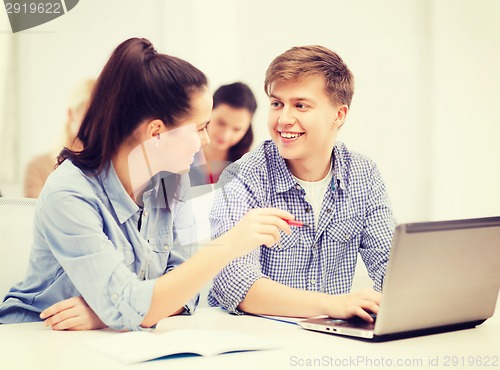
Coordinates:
(139,346)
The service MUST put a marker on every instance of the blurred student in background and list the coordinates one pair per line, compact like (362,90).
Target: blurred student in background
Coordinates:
(41,166)
(230,128)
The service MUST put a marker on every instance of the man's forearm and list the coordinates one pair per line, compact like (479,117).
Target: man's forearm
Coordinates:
(268,297)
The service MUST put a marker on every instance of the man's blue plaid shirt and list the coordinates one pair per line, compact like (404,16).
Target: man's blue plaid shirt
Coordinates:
(355,216)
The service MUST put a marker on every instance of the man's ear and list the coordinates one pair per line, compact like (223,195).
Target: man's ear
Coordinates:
(341,115)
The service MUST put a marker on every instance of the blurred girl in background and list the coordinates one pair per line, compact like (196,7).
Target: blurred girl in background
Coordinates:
(41,166)
(230,128)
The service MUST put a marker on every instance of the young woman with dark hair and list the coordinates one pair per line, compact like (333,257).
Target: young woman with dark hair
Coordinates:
(110,247)
(230,128)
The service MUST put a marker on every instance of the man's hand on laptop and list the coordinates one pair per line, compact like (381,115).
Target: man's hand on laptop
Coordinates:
(345,306)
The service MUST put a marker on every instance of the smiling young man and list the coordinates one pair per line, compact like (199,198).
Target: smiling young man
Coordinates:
(339,195)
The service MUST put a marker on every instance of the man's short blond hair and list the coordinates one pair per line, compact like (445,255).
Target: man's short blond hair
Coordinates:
(301,62)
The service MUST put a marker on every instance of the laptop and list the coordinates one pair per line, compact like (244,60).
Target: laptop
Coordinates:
(441,276)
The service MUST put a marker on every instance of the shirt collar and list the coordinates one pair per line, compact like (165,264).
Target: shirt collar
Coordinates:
(165,187)
(121,202)
(288,181)
(339,165)
(282,171)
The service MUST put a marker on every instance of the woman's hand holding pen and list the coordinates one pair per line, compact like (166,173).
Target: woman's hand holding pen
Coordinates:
(260,226)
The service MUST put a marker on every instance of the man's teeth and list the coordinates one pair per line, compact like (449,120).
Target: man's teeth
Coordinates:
(289,135)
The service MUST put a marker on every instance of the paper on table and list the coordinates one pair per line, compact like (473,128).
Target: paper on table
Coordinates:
(133,347)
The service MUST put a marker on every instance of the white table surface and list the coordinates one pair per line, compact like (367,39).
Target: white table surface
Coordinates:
(32,346)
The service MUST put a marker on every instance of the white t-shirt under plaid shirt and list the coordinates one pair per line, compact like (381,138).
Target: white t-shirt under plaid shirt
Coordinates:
(355,216)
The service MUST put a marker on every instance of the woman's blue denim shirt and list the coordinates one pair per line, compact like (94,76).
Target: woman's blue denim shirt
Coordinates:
(86,241)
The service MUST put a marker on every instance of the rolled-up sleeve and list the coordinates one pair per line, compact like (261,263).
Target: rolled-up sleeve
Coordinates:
(234,281)
(378,230)
(74,230)
(185,244)
(232,200)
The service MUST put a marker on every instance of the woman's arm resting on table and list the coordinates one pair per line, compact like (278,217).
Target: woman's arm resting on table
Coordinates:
(258,227)
(71,314)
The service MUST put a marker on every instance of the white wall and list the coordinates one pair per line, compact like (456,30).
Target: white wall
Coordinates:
(426,79)
(381,41)
(55,57)
(465,130)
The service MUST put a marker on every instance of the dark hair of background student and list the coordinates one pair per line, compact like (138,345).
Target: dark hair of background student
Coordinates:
(237,95)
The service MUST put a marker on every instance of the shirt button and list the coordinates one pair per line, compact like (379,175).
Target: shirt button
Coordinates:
(298,187)
(166,247)
(347,236)
(145,213)
(114,297)
(141,274)
(308,209)
(329,210)
(313,281)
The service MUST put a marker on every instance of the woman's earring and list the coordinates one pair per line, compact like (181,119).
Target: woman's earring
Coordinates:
(157,140)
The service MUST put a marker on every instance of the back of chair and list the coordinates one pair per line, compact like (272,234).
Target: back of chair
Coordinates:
(16,235)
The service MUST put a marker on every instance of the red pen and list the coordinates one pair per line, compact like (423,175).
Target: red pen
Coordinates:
(296,223)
